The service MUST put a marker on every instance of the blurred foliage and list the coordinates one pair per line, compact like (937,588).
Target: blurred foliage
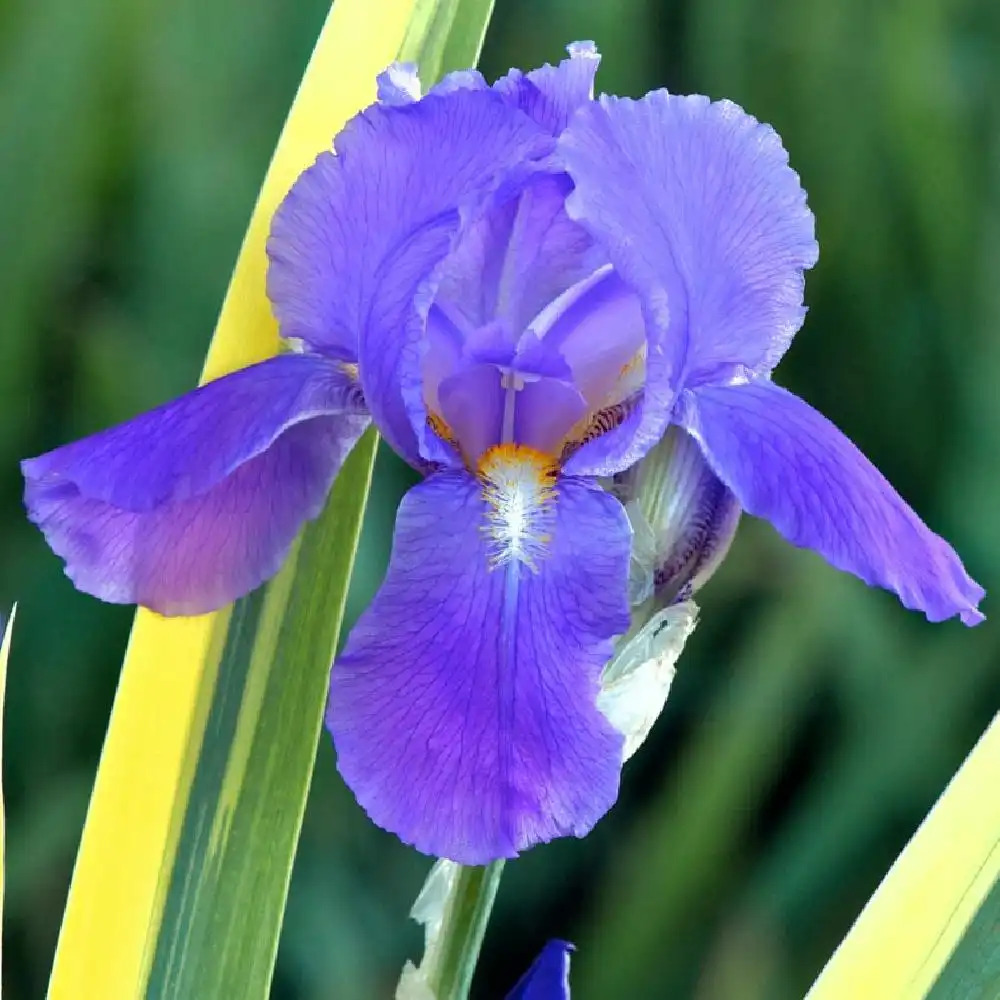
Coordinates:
(812,722)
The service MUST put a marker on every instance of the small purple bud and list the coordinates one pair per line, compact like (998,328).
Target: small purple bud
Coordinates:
(548,977)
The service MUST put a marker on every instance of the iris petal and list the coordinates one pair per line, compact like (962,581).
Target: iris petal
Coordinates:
(193,504)
(546,411)
(511,263)
(787,463)
(399,84)
(599,335)
(463,707)
(355,243)
(703,217)
(550,94)
(472,403)
(597,325)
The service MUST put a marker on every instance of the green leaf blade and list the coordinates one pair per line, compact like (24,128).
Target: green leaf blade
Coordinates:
(253,774)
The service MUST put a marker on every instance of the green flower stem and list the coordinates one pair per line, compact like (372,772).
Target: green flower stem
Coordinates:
(463,923)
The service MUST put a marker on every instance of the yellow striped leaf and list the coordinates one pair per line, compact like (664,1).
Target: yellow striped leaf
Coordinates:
(182,873)
(4,654)
(932,929)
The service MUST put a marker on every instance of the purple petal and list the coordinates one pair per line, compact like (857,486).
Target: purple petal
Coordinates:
(544,413)
(551,94)
(472,405)
(445,342)
(598,327)
(511,263)
(548,977)
(491,344)
(789,464)
(463,708)
(185,447)
(399,83)
(702,215)
(355,243)
(193,504)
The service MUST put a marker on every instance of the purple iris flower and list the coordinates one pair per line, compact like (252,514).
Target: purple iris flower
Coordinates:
(548,977)
(524,288)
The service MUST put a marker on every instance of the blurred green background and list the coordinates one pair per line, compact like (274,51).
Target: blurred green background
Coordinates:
(813,721)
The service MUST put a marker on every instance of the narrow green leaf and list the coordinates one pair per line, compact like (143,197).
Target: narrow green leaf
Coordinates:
(454,907)
(4,654)
(446,35)
(252,777)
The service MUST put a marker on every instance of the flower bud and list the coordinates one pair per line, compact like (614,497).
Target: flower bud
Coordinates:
(683,520)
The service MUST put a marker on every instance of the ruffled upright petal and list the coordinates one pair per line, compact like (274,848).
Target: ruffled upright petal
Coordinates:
(787,463)
(191,505)
(355,245)
(463,707)
(514,261)
(551,94)
(703,217)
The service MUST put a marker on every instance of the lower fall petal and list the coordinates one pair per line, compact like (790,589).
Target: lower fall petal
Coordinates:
(191,505)
(463,707)
(786,462)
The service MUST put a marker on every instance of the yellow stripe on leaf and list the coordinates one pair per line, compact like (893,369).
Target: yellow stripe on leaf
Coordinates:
(4,654)
(910,927)
(123,867)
